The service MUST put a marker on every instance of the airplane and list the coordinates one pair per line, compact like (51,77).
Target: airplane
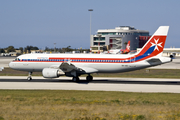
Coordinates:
(172,54)
(1,68)
(113,51)
(120,51)
(127,50)
(74,65)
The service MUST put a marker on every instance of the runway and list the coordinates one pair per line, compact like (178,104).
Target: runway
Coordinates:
(98,84)
(152,85)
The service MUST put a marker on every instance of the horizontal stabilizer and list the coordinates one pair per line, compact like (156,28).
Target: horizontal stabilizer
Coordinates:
(154,61)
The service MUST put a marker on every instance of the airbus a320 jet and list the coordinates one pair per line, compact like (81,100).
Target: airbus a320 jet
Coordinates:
(120,51)
(74,65)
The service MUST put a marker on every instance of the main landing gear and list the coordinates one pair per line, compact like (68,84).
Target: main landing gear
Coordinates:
(88,78)
(75,79)
(29,77)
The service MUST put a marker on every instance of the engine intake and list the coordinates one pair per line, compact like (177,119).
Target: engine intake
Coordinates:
(52,73)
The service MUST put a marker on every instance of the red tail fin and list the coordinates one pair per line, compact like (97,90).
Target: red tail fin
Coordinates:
(128,46)
(155,45)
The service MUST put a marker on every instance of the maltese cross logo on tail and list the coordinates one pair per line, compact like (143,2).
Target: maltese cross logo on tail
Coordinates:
(156,44)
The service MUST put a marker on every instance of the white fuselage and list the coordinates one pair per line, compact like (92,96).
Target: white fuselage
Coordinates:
(103,63)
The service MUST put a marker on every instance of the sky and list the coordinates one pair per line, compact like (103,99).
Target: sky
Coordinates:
(42,23)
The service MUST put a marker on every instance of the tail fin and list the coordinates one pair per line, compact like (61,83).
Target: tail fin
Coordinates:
(128,46)
(155,45)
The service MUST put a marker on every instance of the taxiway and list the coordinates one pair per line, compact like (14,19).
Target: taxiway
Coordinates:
(98,84)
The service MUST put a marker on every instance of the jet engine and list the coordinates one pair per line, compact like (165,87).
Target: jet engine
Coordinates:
(52,73)
(172,56)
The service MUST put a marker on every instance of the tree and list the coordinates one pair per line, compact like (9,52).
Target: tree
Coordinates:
(34,48)
(21,48)
(10,49)
(2,50)
(68,49)
(29,48)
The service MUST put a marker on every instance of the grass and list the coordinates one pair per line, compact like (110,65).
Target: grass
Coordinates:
(87,105)
(143,73)
(11,72)
(90,105)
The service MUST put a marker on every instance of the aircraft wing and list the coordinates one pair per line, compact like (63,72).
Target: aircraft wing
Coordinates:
(68,67)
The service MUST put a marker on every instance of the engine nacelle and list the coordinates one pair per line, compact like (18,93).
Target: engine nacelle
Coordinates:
(172,56)
(52,73)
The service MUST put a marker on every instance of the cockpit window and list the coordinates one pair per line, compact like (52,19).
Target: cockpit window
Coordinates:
(17,59)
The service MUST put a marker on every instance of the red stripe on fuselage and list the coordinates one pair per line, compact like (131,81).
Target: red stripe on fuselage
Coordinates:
(52,58)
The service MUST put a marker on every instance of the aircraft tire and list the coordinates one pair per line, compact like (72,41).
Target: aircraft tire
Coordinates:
(29,78)
(89,78)
(75,79)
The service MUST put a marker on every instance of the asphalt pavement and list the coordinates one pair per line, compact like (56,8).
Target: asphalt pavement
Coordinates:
(98,84)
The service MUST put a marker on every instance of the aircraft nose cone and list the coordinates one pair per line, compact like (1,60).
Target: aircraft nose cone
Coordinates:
(11,65)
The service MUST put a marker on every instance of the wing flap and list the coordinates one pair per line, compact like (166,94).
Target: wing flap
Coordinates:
(67,67)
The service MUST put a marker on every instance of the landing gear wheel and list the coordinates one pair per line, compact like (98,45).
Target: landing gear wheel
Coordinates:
(75,79)
(89,78)
(29,78)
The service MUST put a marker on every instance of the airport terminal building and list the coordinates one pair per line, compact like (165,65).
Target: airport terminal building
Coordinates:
(118,38)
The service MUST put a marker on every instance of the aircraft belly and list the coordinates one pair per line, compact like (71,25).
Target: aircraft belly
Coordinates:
(106,67)
(109,67)
(22,66)
(115,67)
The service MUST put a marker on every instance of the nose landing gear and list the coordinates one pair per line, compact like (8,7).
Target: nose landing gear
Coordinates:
(29,78)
